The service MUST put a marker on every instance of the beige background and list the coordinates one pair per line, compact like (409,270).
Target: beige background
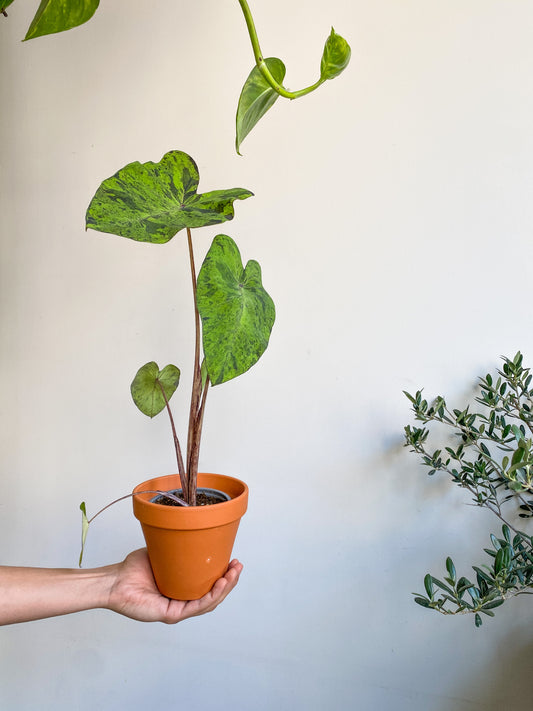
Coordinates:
(392,219)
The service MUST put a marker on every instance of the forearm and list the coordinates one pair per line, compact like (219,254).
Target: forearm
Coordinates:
(128,588)
(33,593)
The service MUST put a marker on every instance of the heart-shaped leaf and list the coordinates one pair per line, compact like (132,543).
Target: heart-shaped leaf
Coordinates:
(237,313)
(147,384)
(335,57)
(151,202)
(257,96)
(60,15)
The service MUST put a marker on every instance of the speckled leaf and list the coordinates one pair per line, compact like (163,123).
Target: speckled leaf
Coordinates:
(151,202)
(257,97)
(147,384)
(237,313)
(60,15)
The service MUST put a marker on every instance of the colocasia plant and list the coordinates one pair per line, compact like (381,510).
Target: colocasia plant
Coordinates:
(261,89)
(233,314)
(490,454)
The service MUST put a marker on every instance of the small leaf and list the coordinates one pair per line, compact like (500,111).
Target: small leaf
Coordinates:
(482,575)
(474,594)
(443,586)
(506,532)
(335,57)
(463,584)
(151,202)
(503,560)
(477,620)
(517,432)
(428,584)
(237,313)
(422,601)
(60,15)
(450,567)
(491,605)
(257,97)
(4,4)
(146,387)
(84,529)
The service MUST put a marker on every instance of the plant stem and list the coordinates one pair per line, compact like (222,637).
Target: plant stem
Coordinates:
(168,494)
(251,30)
(195,450)
(193,438)
(259,60)
(179,457)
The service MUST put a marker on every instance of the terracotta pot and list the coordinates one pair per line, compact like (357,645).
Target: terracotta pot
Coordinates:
(190,547)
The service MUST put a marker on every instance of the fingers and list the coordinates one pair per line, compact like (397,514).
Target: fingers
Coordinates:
(225,585)
(220,589)
(216,595)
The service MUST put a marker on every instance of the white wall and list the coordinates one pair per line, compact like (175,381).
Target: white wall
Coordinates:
(393,220)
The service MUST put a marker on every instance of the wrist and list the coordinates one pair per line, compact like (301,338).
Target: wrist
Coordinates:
(98,583)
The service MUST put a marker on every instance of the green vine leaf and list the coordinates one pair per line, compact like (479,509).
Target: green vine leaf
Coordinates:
(147,384)
(237,313)
(257,97)
(60,15)
(335,57)
(152,202)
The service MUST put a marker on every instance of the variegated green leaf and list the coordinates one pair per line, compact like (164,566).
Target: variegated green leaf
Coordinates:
(237,313)
(60,15)
(146,387)
(151,202)
(257,97)
(335,57)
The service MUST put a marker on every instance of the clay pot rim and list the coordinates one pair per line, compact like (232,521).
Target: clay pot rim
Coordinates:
(173,517)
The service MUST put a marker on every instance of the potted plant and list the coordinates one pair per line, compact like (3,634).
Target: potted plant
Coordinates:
(491,456)
(191,522)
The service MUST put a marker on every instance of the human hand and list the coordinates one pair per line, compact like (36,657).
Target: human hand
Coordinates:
(135,594)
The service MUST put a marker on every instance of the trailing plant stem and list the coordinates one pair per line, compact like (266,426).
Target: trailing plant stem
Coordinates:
(88,521)
(168,494)
(259,60)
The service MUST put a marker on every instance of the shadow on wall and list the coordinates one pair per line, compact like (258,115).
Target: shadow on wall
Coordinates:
(504,684)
